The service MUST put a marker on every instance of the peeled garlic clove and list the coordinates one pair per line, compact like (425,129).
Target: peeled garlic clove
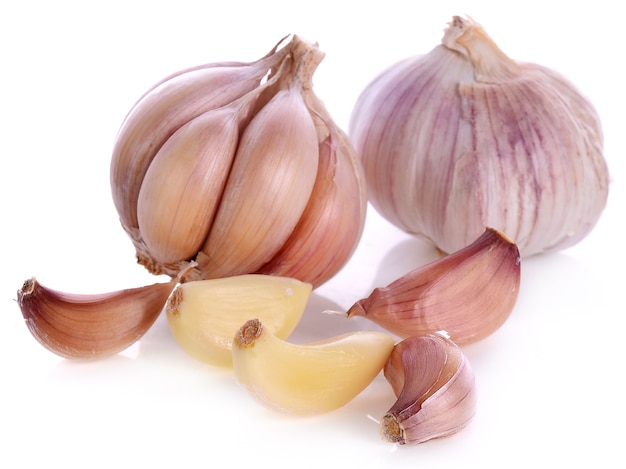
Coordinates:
(90,326)
(469,293)
(435,389)
(204,315)
(465,137)
(291,203)
(308,378)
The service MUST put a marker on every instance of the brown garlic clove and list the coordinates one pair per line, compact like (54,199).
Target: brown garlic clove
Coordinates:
(435,389)
(90,326)
(469,293)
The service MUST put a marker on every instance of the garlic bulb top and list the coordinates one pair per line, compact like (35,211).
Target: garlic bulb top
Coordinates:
(464,137)
(239,168)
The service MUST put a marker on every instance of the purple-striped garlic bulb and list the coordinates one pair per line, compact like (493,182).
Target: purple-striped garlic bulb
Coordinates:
(465,137)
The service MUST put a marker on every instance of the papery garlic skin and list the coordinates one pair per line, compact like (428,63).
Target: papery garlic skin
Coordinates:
(469,293)
(239,169)
(86,326)
(465,137)
(435,388)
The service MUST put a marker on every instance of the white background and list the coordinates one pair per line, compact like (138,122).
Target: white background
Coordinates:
(550,380)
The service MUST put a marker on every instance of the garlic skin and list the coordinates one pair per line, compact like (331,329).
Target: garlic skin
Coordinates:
(435,388)
(465,137)
(239,168)
(468,294)
(85,326)
(311,378)
(204,315)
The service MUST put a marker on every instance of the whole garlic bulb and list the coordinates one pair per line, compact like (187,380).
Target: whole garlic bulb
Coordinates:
(239,168)
(464,137)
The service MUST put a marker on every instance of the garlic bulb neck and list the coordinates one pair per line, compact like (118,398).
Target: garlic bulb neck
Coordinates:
(469,38)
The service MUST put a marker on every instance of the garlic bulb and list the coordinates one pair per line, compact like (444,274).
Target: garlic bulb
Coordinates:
(239,168)
(464,137)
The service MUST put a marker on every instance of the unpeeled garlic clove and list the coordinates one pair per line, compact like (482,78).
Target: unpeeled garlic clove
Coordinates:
(435,389)
(204,315)
(277,157)
(469,293)
(310,378)
(163,109)
(330,209)
(176,185)
(90,326)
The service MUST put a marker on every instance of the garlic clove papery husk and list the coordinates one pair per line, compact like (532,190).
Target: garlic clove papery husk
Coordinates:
(331,208)
(468,294)
(435,389)
(277,158)
(465,137)
(177,177)
(85,326)
(263,182)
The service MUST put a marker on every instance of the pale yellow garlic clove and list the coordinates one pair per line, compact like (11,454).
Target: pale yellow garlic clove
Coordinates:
(435,389)
(469,293)
(310,378)
(465,137)
(90,325)
(204,315)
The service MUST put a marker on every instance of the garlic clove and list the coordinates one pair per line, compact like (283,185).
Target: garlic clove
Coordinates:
(469,293)
(165,107)
(176,185)
(311,378)
(330,210)
(277,159)
(204,315)
(435,389)
(90,326)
